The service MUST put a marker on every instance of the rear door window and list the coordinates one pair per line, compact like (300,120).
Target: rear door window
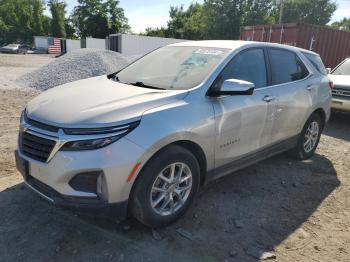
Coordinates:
(286,66)
(248,65)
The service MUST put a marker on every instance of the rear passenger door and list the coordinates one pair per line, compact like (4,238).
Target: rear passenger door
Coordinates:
(291,86)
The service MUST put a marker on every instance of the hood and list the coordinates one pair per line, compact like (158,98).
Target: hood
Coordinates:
(341,80)
(97,102)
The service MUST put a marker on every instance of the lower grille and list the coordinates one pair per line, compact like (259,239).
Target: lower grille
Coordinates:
(36,147)
(42,188)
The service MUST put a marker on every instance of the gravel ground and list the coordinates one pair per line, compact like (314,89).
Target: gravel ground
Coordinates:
(75,65)
(13,66)
(300,211)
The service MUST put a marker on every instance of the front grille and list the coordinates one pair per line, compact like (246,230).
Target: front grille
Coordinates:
(36,147)
(341,92)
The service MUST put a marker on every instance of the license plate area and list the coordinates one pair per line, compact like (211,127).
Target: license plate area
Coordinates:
(22,165)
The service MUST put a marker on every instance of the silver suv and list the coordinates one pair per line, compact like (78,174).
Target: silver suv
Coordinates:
(146,138)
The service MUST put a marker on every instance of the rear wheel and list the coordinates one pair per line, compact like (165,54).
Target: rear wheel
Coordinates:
(309,137)
(166,187)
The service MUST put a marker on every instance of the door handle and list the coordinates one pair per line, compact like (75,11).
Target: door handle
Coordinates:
(310,87)
(269,98)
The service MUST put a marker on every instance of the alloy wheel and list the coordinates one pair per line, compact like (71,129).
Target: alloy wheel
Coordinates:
(171,189)
(311,137)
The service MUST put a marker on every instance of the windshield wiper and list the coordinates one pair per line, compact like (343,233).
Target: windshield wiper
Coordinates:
(141,84)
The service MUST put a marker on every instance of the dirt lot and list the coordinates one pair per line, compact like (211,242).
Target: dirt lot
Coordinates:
(298,210)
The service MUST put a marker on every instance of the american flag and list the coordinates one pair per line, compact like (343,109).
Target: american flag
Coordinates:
(54,45)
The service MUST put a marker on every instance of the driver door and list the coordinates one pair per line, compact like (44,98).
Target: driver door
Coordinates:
(243,122)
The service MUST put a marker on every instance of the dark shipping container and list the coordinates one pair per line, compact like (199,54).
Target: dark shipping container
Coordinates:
(333,45)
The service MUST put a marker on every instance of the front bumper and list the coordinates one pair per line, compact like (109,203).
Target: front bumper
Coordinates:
(342,104)
(51,179)
(97,207)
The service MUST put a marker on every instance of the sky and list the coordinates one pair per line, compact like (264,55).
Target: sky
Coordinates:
(155,13)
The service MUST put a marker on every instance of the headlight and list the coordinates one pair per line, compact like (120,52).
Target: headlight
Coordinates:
(96,143)
(89,144)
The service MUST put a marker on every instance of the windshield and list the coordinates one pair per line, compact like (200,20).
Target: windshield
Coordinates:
(173,67)
(343,69)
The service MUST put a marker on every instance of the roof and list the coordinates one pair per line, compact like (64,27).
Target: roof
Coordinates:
(235,44)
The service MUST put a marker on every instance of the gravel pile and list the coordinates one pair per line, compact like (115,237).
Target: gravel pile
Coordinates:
(75,65)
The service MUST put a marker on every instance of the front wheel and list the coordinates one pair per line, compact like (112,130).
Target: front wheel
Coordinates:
(166,187)
(309,137)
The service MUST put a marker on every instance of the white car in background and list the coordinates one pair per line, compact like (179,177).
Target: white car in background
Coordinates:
(341,90)
(15,49)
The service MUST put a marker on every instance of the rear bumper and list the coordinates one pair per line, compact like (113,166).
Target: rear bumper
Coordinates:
(342,104)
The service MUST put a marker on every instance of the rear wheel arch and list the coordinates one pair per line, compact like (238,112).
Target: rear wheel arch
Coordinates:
(322,114)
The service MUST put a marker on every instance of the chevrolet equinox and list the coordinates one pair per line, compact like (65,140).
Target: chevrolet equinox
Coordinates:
(143,140)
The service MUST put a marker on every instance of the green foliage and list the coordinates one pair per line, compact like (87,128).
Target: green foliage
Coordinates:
(20,20)
(317,12)
(215,19)
(57,8)
(97,18)
(118,23)
(257,12)
(187,24)
(343,24)
(223,18)
(70,30)
(160,32)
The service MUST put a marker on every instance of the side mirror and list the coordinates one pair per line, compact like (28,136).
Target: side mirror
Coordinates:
(236,87)
(329,70)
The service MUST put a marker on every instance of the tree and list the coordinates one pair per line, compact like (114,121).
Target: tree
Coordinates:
(158,31)
(98,19)
(20,20)
(38,9)
(317,12)
(223,18)
(257,12)
(186,24)
(343,24)
(118,23)
(57,8)
(70,30)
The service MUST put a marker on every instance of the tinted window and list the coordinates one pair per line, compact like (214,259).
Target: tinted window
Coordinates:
(343,68)
(286,67)
(316,61)
(249,66)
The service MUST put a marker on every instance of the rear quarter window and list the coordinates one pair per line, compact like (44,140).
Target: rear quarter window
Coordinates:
(316,61)
(286,66)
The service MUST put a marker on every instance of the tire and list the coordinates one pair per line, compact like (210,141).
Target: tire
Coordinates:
(306,150)
(145,191)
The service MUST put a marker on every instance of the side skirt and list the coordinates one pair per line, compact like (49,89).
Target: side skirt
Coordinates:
(252,158)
